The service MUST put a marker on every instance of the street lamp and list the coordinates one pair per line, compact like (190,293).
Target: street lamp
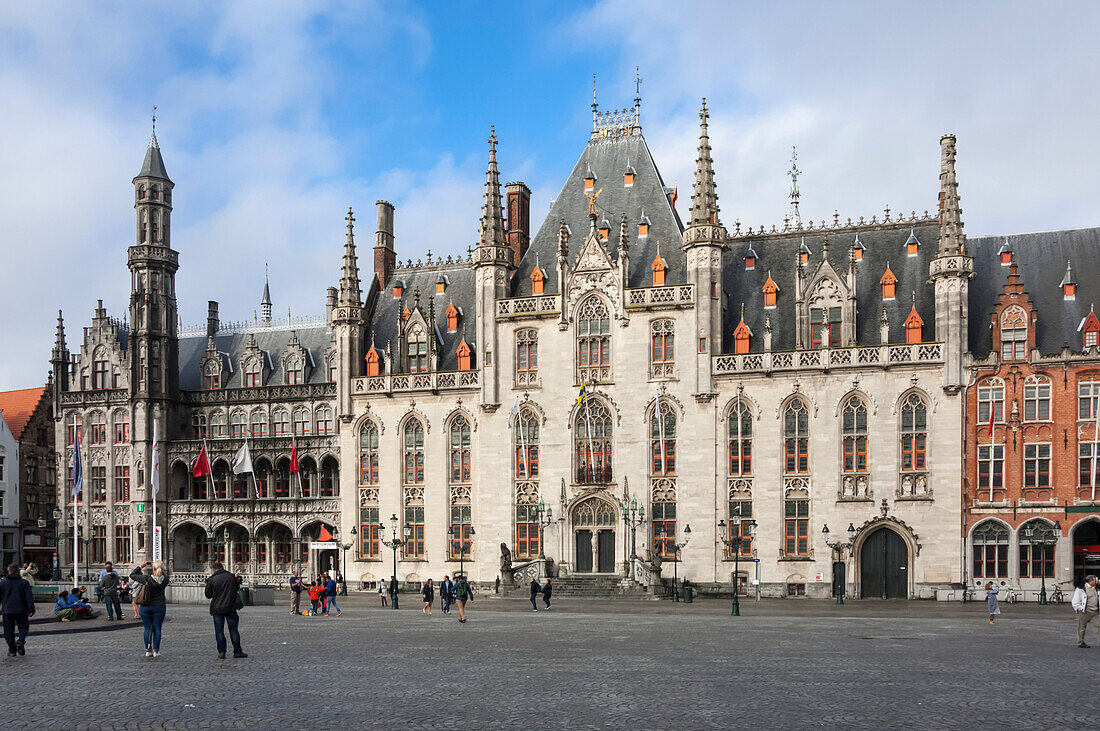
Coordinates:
(635,516)
(84,543)
(1042,538)
(839,547)
(392,544)
(346,546)
(462,541)
(55,570)
(736,546)
(677,547)
(544,514)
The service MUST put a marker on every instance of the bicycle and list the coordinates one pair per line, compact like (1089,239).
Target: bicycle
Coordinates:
(1011,595)
(1057,596)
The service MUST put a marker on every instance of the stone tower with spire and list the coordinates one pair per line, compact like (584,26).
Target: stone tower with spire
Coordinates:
(265,303)
(950,272)
(491,263)
(704,240)
(347,323)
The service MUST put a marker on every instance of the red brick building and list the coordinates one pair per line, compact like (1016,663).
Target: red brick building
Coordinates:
(1036,367)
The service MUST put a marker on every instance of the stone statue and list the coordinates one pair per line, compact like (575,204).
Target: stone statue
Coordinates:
(505,557)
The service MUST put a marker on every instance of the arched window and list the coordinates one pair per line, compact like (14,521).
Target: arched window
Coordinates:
(307,474)
(662,440)
(1036,398)
(527,445)
(368,454)
(594,341)
(97,428)
(914,433)
(796,437)
(252,372)
(280,423)
(121,421)
(99,369)
(330,478)
(258,423)
(221,480)
(1014,333)
(460,450)
(238,424)
(1037,549)
(990,544)
(141,192)
(740,440)
(263,478)
(414,452)
(418,350)
(212,376)
(198,426)
(324,421)
(527,357)
(302,423)
(218,429)
(294,370)
(282,478)
(74,429)
(854,423)
(593,432)
(662,351)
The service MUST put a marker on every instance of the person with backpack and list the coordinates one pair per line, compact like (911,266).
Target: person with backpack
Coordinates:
(17,606)
(331,588)
(295,593)
(150,601)
(222,589)
(464,593)
(108,584)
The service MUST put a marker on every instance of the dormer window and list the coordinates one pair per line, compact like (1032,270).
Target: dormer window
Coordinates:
(1069,284)
(889,283)
(913,326)
(628,177)
(1014,333)
(418,351)
(750,260)
(643,226)
(1005,254)
(605,229)
(397,290)
(803,253)
(741,337)
(440,286)
(373,362)
(452,318)
(659,266)
(770,290)
(405,315)
(294,371)
(537,280)
(211,377)
(463,353)
(911,244)
(589,181)
(252,371)
(857,249)
(1090,330)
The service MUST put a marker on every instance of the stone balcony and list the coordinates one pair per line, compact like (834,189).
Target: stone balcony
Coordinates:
(409,382)
(825,359)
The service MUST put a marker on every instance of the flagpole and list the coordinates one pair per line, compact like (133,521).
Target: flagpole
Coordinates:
(660,430)
(76,538)
(1095,438)
(992,453)
(210,473)
(154,478)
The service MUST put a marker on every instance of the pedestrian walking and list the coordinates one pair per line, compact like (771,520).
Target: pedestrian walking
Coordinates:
(547,590)
(535,589)
(331,589)
(17,606)
(109,586)
(1085,603)
(446,593)
(149,598)
(295,593)
(991,600)
(382,591)
(225,600)
(428,593)
(463,593)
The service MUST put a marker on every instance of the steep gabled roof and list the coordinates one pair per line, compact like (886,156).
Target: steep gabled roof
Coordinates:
(18,408)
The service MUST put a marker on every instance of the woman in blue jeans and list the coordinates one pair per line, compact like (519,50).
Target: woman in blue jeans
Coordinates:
(152,610)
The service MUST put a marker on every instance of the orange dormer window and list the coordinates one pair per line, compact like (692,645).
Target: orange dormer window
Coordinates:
(913,325)
(589,184)
(803,257)
(1090,331)
(463,353)
(440,287)
(857,253)
(405,315)
(452,318)
(605,231)
(741,337)
(658,268)
(372,359)
(628,179)
(643,229)
(1069,290)
(537,279)
(397,291)
(750,262)
(770,289)
(889,283)
(1006,257)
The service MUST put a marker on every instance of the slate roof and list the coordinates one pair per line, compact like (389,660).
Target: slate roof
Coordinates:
(273,341)
(18,408)
(383,319)
(153,165)
(1041,257)
(776,254)
(609,158)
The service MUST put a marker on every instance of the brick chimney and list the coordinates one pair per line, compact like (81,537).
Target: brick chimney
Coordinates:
(519,220)
(384,255)
(212,323)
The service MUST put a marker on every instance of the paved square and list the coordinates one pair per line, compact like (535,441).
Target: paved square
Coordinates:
(587,664)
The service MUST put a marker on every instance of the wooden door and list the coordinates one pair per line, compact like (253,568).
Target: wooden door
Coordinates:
(606,540)
(584,552)
(884,566)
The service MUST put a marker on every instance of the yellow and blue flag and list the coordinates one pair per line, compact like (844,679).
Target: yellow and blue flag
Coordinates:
(582,394)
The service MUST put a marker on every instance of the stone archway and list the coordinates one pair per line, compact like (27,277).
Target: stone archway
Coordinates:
(898,548)
(594,523)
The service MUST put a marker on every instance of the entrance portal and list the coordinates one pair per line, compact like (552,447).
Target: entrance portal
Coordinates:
(884,566)
(606,551)
(594,531)
(584,551)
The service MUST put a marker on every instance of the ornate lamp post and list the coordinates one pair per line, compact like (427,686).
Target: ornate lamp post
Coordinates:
(392,544)
(1042,538)
(736,546)
(544,514)
(635,516)
(345,547)
(840,547)
(55,571)
(677,547)
(461,546)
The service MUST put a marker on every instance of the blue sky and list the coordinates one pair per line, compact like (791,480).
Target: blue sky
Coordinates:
(274,117)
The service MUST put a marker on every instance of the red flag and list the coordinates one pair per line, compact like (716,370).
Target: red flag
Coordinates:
(293,455)
(202,464)
(325,535)
(992,412)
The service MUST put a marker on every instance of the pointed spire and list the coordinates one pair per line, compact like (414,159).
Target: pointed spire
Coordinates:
(350,293)
(637,96)
(153,165)
(624,237)
(952,239)
(1068,279)
(492,213)
(59,340)
(265,303)
(795,216)
(563,240)
(704,196)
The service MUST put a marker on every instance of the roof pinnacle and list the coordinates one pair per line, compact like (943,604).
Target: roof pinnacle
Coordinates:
(795,216)
(350,293)
(704,196)
(492,215)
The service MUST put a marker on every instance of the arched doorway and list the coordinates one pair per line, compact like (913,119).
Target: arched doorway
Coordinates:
(594,523)
(1086,551)
(189,549)
(884,566)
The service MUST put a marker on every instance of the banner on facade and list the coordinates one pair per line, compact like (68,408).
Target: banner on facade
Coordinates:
(322,545)
(156,543)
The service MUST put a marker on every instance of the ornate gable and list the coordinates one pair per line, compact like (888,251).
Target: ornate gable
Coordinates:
(592,272)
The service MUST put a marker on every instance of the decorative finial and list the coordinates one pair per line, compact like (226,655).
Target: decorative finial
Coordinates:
(796,217)
(154,119)
(637,90)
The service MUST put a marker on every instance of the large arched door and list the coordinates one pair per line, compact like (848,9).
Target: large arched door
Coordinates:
(594,533)
(884,566)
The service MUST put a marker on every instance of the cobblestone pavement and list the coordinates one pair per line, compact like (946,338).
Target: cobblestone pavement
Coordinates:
(587,664)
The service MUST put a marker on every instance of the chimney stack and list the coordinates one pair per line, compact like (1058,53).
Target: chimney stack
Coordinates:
(330,304)
(384,255)
(519,220)
(211,318)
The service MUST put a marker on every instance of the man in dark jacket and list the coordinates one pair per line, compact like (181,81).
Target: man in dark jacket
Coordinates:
(221,590)
(17,606)
(108,584)
(535,589)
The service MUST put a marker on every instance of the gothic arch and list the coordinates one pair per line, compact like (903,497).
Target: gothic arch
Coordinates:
(929,399)
(365,418)
(895,524)
(1003,524)
(811,403)
(413,412)
(746,400)
(230,523)
(604,399)
(460,411)
(856,391)
(529,403)
(676,404)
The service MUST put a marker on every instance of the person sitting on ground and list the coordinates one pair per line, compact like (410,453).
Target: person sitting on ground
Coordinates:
(69,607)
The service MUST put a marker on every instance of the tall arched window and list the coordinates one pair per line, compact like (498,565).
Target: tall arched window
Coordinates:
(238,424)
(1014,333)
(212,376)
(527,445)
(97,428)
(121,421)
(460,450)
(325,424)
(74,430)
(263,478)
(527,357)
(418,350)
(330,478)
(282,478)
(280,422)
(218,428)
(294,370)
(368,454)
(461,515)
(221,480)
(593,442)
(258,423)
(796,437)
(990,544)
(914,433)
(854,423)
(414,452)
(1036,555)
(198,426)
(740,440)
(662,440)
(594,341)
(252,372)
(662,350)
(99,369)
(302,422)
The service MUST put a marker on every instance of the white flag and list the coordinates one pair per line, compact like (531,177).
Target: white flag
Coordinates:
(154,471)
(243,461)
(514,412)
